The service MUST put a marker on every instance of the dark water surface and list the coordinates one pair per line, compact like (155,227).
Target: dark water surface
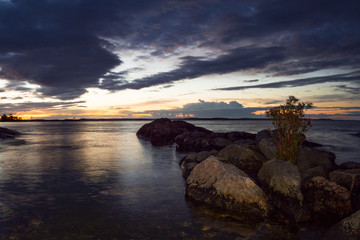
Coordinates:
(97,180)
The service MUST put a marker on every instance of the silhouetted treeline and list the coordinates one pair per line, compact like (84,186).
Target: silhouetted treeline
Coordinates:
(10,118)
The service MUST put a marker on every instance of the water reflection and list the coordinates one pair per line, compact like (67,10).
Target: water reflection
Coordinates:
(97,180)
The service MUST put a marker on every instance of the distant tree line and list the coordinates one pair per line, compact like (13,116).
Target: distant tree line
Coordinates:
(11,117)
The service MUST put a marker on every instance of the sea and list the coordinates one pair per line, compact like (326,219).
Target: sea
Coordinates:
(97,180)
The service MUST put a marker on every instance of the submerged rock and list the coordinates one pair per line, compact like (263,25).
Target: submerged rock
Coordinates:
(226,186)
(7,133)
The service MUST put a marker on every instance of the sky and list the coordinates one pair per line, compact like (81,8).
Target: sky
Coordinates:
(63,59)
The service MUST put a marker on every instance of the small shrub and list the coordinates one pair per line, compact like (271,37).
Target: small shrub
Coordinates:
(291,126)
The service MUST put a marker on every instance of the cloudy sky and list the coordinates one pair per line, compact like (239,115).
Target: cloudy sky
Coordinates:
(150,58)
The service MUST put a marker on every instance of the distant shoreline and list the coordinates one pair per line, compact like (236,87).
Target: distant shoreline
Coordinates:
(151,119)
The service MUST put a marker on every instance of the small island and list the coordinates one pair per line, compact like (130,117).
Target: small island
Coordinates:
(244,173)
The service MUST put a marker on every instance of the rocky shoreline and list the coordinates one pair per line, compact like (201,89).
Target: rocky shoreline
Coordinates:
(239,171)
(7,133)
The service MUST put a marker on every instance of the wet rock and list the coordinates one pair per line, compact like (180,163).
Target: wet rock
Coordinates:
(326,199)
(349,178)
(163,131)
(349,165)
(268,148)
(7,133)
(282,182)
(226,186)
(310,158)
(348,228)
(245,158)
(186,170)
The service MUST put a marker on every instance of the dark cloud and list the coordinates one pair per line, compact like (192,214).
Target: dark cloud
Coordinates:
(353,77)
(68,46)
(203,109)
(193,67)
(56,44)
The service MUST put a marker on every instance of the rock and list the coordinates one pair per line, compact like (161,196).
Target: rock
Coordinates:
(349,165)
(308,174)
(196,141)
(219,142)
(224,185)
(234,136)
(356,134)
(243,157)
(186,170)
(196,157)
(192,142)
(348,228)
(310,158)
(163,131)
(283,183)
(191,157)
(268,148)
(267,133)
(326,199)
(349,178)
(7,133)
(201,156)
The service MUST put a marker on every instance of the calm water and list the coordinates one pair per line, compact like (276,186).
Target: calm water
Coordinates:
(96,180)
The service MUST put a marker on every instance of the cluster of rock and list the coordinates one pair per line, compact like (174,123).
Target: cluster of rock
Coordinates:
(241,172)
(188,137)
(7,133)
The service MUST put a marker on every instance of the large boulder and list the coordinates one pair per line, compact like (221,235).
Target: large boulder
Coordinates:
(348,228)
(224,185)
(326,199)
(282,182)
(310,158)
(244,157)
(7,133)
(163,131)
(268,147)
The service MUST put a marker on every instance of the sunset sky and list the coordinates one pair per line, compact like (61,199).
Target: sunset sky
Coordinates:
(64,59)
